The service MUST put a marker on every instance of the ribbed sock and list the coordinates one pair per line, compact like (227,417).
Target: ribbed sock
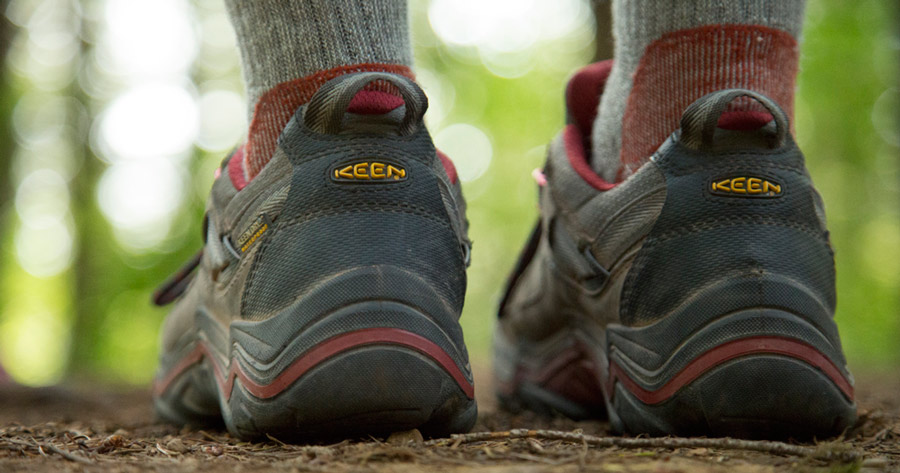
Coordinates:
(291,47)
(668,54)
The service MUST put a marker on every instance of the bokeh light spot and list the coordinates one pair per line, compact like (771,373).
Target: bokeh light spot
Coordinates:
(222,120)
(149,121)
(46,250)
(22,333)
(42,198)
(149,38)
(468,147)
(139,198)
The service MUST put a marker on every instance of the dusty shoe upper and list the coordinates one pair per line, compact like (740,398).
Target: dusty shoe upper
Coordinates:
(694,297)
(329,283)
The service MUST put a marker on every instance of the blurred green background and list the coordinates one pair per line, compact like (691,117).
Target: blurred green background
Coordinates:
(114,115)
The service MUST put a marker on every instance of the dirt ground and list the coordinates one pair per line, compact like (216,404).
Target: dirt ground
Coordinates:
(63,430)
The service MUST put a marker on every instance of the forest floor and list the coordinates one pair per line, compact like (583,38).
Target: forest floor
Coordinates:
(78,429)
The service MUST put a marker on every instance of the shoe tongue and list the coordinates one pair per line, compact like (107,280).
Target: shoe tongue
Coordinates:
(373,111)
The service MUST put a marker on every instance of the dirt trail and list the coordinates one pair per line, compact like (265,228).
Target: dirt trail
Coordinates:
(92,430)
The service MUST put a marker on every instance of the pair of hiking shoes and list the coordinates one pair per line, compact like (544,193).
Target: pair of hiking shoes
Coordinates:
(695,297)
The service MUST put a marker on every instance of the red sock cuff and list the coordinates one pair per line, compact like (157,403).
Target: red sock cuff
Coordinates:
(685,65)
(276,107)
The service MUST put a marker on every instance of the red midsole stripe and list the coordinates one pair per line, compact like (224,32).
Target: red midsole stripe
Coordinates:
(311,358)
(728,351)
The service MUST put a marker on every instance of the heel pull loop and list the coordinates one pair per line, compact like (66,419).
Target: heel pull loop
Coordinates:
(325,111)
(699,121)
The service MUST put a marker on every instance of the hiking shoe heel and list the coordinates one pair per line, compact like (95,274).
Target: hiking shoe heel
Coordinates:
(368,222)
(345,286)
(733,290)
(753,373)
(694,297)
(372,356)
(369,390)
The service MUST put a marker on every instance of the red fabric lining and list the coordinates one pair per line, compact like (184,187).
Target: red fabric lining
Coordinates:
(374,102)
(310,359)
(448,166)
(744,120)
(578,159)
(236,169)
(583,94)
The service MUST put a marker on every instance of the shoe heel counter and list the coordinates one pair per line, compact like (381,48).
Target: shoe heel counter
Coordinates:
(741,227)
(376,200)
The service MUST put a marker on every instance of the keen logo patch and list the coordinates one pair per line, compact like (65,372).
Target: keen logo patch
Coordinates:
(370,172)
(746,186)
(253,233)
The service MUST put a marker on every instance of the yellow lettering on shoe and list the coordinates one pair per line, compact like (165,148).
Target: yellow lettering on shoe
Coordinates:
(745,186)
(361,170)
(753,185)
(369,171)
(721,185)
(346,173)
(252,233)
(395,172)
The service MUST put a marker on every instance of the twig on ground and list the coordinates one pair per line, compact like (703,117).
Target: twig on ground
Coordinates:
(68,455)
(279,442)
(208,436)
(775,448)
(534,458)
(53,448)
(165,451)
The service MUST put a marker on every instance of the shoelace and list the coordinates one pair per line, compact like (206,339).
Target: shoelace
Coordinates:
(175,285)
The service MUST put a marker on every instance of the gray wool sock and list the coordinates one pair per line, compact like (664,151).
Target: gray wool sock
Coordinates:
(688,67)
(282,40)
(289,48)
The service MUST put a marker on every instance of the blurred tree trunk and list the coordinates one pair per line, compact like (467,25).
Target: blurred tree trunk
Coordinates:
(93,243)
(604,38)
(7,142)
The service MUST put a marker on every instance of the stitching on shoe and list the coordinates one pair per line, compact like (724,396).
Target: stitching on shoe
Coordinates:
(720,222)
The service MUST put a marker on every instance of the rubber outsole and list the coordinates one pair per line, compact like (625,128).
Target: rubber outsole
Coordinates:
(371,390)
(365,367)
(375,386)
(753,384)
(756,396)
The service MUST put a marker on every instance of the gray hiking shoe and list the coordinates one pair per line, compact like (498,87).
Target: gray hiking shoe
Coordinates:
(326,300)
(696,297)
